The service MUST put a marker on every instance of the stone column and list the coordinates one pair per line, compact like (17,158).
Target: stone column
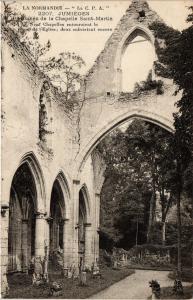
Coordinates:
(4,248)
(88,245)
(49,234)
(47,247)
(67,243)
(75,255)
(118,82)
(97,199)
(40,234)
(24,245)
(39,248)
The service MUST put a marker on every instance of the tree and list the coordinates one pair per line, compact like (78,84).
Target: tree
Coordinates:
(139,165)
(178,59)
(182,69)
(36,48)
(152,146)
(15,20)
(23,27)
(65,69)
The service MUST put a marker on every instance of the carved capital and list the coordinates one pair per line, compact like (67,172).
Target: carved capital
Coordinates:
(4,210)
(61,222)
(49,220)
(87,224)
(77,226)
(40,215)
(65,220)
(24,221)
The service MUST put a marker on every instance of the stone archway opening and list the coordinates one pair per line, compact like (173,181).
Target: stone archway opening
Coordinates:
(131,178)
(59,225)
(98,168)
(137,61)
(21,234)
(121,120)
(81,227)
(57,209)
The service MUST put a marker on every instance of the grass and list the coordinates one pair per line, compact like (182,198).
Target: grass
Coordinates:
(187,275)
(150,267)
(167,293)
(21,287)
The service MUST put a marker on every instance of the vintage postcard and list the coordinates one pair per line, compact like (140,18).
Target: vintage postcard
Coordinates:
(96,155)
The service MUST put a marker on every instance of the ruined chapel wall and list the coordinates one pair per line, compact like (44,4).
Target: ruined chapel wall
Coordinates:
(102,76)
(87,179)
(22,83)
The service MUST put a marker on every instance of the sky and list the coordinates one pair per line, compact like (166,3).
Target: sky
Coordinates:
(89,44)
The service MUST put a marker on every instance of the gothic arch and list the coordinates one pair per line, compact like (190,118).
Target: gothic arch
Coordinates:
(137,30)
(63,184)
(27,197)
(136,113)
(31,161)
(85,193)
(59,212)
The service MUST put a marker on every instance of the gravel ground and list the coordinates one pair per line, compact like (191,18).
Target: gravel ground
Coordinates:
(135,286)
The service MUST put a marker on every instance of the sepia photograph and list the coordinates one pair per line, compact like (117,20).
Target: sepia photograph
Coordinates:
(96,149)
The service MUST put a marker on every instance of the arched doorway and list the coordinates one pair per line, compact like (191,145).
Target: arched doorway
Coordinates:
(82,227)
(21,235)
(57,213)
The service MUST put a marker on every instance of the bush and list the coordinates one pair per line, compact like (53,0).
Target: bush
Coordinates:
(186,275)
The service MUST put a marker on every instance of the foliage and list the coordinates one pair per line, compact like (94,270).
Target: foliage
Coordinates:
(143,87)
(65,69)
(181,63)
(149,85)
(21,287)
(15,20)
(178,59)
(190,16)
(165,36)
(178,288)
(186,276)
(36,48)
(155,286)
(22,26)
(139,165)
(167,293)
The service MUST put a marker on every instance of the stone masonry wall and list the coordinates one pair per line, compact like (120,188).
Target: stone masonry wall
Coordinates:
(101,77)
(73,135)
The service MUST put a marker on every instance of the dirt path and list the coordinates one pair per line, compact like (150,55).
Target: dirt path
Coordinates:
(135,286)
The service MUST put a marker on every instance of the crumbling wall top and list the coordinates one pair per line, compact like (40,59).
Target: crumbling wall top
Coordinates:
(102,77)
